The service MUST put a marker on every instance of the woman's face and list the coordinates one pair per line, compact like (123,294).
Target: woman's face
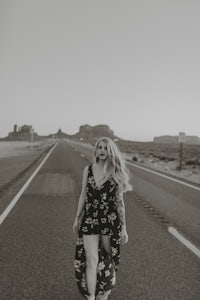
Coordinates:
(102,151)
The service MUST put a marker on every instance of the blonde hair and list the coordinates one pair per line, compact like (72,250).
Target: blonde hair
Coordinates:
(115,164)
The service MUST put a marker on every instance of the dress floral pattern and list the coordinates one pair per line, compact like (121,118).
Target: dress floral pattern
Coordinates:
(100,217)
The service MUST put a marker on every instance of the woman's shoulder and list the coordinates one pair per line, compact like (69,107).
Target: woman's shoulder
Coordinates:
(119,187)
(87,168)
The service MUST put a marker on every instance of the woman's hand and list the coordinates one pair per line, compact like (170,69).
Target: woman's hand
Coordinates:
(76,225)
(124,235)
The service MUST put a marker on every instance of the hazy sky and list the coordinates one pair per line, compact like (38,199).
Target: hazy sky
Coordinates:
(133,65)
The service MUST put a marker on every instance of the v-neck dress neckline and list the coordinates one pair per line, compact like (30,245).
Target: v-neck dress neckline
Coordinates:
(103,183)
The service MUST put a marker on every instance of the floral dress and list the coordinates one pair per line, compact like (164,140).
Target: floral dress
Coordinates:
(100,217)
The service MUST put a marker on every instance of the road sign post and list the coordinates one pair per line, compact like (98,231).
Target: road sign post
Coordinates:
(31,132)
(181,139)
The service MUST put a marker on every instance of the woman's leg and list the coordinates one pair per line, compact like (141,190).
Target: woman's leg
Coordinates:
(104,296)
(105,239)
(91,244)
(106,243)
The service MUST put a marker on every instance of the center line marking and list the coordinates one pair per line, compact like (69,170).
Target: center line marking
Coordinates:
(18,195)
(184,241)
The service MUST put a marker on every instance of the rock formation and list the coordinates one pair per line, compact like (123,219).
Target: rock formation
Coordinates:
(88,132)
(23,133)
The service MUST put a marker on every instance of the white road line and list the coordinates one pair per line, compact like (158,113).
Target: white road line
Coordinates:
(184,241)
(18,195)
(166,176)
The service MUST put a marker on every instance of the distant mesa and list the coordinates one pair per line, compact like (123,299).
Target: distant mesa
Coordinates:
(89,132)
(23,133)
(170,139)
(86,132)
(59,134)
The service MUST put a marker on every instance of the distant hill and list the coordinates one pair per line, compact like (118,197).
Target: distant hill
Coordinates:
(23,133)
(170,139)
(59,134)
(85,133)
(89,132)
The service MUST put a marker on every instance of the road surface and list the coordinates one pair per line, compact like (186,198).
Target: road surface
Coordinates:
(37,243)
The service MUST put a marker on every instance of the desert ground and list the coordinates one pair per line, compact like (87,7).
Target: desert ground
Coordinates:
(16,157)
(161,157)
(18,148)
(165,158)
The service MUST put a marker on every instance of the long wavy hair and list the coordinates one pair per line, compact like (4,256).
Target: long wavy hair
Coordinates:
(115,164)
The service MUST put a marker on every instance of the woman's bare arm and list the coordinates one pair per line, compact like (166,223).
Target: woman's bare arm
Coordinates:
(81,201)
(121,213)
(119,201)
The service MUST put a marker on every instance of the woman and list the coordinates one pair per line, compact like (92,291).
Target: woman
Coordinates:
(100,220)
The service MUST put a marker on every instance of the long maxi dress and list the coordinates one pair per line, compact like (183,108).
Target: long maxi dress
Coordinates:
(99,217)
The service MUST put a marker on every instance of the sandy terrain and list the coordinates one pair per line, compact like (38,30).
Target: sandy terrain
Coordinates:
(188,173)
(17,148)
(15,157)
(143,152)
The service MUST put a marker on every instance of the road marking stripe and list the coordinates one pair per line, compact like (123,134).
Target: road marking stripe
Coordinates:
(18,195)
(184,241)
(166,176)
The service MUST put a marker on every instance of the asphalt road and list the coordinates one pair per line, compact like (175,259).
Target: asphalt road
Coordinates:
(178,202)
(37,244)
